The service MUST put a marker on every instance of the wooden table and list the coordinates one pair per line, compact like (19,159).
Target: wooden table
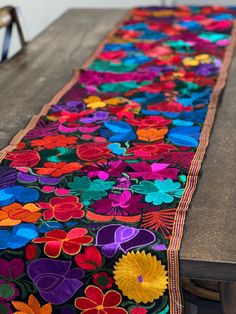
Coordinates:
(30,79)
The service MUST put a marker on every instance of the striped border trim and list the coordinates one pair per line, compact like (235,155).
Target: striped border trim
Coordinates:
(192,178)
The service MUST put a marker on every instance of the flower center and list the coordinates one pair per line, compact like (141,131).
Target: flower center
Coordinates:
(103,281)
(99,307)
(140,278)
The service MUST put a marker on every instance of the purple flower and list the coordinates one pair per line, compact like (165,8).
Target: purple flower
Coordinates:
(55,280)
(114,237)
(42,129)
(31,178)
(7,177)
(71,106)
(207,69)
(124,204)
(97,116)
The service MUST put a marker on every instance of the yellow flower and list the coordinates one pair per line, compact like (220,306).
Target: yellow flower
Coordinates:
(190,61)
(195,61)
(94,102)
(140,276)
(204,58)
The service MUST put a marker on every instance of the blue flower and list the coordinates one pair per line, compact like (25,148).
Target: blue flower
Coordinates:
(18,193)
(50,225)
(191,25)
(18,237)
(136,27)
(185,135)
(196,116)
(180,122)
(117,131)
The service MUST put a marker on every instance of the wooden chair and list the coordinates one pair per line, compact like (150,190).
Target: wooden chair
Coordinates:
(9,18)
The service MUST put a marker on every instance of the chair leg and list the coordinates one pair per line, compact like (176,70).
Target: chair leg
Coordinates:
(6,42)
(228,297)
(190,308)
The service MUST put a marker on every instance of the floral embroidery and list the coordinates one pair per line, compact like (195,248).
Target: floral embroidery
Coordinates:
(90,195)
(140,276)
(58,240)
(96,301)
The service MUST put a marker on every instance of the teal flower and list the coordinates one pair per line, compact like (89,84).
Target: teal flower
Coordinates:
(160,191)
(90,190)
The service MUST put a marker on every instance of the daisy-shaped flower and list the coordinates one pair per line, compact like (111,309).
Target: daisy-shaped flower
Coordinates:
(140,277)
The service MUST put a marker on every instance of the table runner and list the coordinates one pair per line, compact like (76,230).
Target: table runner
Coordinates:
(94,191)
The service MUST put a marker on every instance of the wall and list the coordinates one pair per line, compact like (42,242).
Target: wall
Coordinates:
(36,15)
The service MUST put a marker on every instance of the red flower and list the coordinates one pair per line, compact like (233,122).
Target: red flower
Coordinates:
(31,251)
(90,260)
(102,280)
(93,151)
(150,151)
(53,141)
(58,240)
(149,122)
(58,169)
(24,158)
(62,209)
(99,303)
(170,106)
(138,310)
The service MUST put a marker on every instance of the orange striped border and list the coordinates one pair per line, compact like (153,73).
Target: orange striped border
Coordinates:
(192,178)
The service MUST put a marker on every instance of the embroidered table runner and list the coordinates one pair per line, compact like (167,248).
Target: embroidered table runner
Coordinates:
(95,190)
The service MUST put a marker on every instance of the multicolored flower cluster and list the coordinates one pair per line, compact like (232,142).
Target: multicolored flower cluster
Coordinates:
(88,198)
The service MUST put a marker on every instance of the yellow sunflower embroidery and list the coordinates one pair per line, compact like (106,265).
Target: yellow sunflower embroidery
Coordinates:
(140,276)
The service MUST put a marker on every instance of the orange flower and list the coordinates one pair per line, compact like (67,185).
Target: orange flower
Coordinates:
(15,213)
(53,141)
(33,307)
(152,134)
(58,169)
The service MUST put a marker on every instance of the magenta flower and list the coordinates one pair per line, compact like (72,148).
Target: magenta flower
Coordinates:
(158,171)
(124,204)
(43,129)
(105,169)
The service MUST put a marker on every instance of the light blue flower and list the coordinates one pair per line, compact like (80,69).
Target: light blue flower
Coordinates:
(117,149)
(160,191)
